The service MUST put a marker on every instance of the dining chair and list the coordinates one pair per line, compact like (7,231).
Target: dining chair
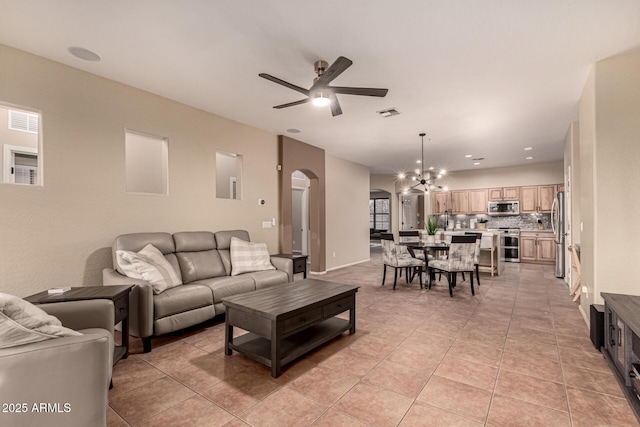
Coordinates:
(394,256)
(476,256)
(460,260)
(409,237)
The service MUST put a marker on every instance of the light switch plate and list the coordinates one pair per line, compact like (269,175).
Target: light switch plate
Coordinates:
(266,224)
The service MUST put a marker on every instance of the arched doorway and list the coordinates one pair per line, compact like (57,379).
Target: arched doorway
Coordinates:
(300,188)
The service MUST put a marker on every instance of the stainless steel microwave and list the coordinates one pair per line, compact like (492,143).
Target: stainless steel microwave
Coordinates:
(507,207)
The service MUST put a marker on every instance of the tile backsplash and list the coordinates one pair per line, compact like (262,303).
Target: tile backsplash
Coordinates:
(522,221)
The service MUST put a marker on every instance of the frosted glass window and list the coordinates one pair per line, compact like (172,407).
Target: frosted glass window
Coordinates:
(228,175)
(147,159)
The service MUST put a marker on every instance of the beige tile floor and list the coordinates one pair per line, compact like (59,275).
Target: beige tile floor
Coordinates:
(516,354)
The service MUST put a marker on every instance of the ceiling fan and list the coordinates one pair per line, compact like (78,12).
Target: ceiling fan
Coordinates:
(320,93)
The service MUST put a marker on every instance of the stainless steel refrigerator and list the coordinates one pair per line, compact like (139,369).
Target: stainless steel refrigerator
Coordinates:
(557,225)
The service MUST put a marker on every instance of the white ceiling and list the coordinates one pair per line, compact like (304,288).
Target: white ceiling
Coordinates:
(486,78)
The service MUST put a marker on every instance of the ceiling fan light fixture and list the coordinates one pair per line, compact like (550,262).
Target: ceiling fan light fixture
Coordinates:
(321,99)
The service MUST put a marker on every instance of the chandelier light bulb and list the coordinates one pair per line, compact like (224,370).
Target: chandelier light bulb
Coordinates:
(401,176)
(443,172)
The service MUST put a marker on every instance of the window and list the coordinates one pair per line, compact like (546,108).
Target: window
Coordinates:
(228,175)
(25,122)
(379,214)
(146,163)
(20,145)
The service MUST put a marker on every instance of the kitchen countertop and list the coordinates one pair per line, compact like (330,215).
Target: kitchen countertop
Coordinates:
(537,231)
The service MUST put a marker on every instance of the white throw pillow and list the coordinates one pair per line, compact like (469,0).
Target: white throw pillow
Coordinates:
(247,257)
(22,323)
(149,264)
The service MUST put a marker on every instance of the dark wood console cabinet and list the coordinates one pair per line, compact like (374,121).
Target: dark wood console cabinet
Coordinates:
(622,343)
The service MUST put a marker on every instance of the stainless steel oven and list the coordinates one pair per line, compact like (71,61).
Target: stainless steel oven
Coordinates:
(509,244)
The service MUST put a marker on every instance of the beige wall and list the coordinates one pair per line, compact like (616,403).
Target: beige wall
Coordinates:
(347,212)
(60,234)
(534,174)
(610,155)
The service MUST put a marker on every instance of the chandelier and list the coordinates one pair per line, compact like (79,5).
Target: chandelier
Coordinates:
(426,182)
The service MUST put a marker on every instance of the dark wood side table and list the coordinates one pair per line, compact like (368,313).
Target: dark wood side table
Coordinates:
(118,294)
(299,262)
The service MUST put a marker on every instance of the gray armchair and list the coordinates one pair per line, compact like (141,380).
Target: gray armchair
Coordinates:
(66,378)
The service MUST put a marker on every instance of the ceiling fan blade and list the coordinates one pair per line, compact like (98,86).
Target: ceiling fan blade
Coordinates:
(332,72)
(291,104)
(285,84)
(335,105)
(364,91)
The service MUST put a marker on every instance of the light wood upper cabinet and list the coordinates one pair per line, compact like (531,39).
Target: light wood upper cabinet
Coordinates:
(537,198)
(440,202)
(459,201)
(504,193)
(546,194)
(495,194)
(511,193)
(478,201)
(529,199)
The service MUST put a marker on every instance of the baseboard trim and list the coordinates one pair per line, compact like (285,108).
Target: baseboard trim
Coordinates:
(585,317)
(349,265)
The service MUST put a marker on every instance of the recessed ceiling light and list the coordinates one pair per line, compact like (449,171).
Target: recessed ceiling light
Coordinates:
(82,53)
(476,163)
(468,156)
(529,158)
(293,130)
(431,168)
(418,161)
(528,148)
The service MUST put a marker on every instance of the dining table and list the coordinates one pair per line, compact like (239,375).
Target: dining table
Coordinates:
(426,247)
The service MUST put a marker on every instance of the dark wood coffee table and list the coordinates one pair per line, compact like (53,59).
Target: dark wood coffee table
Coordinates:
(287,321)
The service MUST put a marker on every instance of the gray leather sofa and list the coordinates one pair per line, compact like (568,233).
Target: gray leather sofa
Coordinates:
(202,261)
(70,374)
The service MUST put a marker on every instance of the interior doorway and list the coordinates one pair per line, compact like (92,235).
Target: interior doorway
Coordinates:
(300,231)
(411,211)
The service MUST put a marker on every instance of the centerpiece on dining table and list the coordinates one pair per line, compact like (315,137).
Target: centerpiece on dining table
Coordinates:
(431,227)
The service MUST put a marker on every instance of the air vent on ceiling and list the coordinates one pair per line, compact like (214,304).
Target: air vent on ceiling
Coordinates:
(388,112)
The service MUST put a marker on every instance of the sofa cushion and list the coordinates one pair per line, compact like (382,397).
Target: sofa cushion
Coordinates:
(194,241)
(149,264)
(223,238)
(247,257)
(181,299)
(200,265)
(223,287)
(22,323)
(265,279)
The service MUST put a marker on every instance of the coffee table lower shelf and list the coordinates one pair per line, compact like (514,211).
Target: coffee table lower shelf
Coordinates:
(292,347)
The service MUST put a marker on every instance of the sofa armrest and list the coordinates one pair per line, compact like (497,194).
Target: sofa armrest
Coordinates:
(76,315)
(283,264)
(140,302)
(72,373)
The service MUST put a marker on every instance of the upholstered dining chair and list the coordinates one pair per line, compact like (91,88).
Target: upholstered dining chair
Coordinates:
(411,236)
(476,256)
(394,256)
(460,260)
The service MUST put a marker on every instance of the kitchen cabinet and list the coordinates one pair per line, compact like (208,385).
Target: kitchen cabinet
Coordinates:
(537,198)
(537,247)
(440,202)
(504,193)
(478,201)
(459,202)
